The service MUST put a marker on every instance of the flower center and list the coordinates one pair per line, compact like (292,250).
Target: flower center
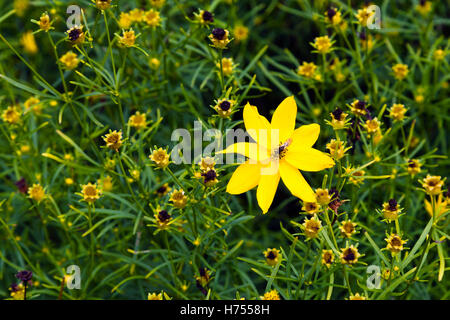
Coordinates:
(207,16)
(163,216)
(218,33)
(349,256)
(392,205)
(280,152)
(74,34)
(90,191)
(225,105)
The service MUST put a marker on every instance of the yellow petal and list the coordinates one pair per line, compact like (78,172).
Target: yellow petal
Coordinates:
(305,136)
(244,178)
(309,159)
(295,182)
(283,118)
(250,150)
(256,125)
(267,188)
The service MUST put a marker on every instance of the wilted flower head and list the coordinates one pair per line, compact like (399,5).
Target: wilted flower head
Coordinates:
(413,166)
(178,198)
(312,227)
(24,275)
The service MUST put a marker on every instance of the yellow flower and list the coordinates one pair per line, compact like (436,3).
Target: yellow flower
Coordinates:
(322,44)
(219,38)
(347,228)
(204,17)
(307,69)
(337,149)
(363,15)
(227,66)
(76,35)
(327,258)
(322,196)
(70,60)
(366,41)
(137,15)
(204,276)
(414,166)
(332,16)
(349,255)
(432,184)
(391,210)
(152,18)
(441,206)
(400,71)
(311,207)
(157,3)
(36,192)
(210,178)
(272,256)
(113,139)
(103,4)
(17,291)
(270,295)
(338,119)
(395,243)
(11,115)
(160,158)
(356,177)
(138,120)
(90,192)
(33,104)
(357,296)
(154,63)
(44,22)
(240,33)
(154,296)
(68,181)
(397,112)
(128,38)
(423,7)
(178,198)
(20,6)
(163,219)
(279,152)
(372,126)
(439,54)
(358,108)
(106,183)
(163,190)
(224,108)
(312,227)
(29,43)
(125,20)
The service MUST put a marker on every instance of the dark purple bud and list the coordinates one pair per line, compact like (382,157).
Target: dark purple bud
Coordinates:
(24,275)
(218,33)
(392,205)
(207,16)
(22,185)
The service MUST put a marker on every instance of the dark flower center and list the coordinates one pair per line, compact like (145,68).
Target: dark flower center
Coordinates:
(74,34)
(271,255)
(207,16)
(22,185)
(412,164)
(337,114)
(362,36)
(392,205)
(218,33)
(349,256)
(331,13)
(163,216)
(210,175)
(361,105)
(161,189)
(225,105)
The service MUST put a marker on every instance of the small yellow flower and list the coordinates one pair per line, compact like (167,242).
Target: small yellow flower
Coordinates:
(207,164)
(358,107)
(312,227)
(307,69)
(106,183)
(439,54)
(397,112)
(90,192)
(366,42)
(29,43)
(395,243)
(391,210)
(68,157)
(349,255)
(337,149)
(210,178)
(372,126)
(333,17)
(240,33)
(163,219)
(204,17)
(400,71)
(424,7)
(163,190)
(17,292)
(103,4)
(137,15)
(70,60)
(128,38)
(152,18)
(125,20)
(356,177)
(347,228)
(44,22)
(11,115)
(432,184)
(68,181)
(20,6)
(322,44)
(357,296)
(363,15)
(322,196)
(272,256)
(113,139)
(138,120)
(154,296)
(271,295)
(154,63)
(33,104)
(227,66)
(339,119)
(178,198)
(219,38)
(224,108)
(327,258)
(413,166)
(157,3)
(36,192)
(160,157)
(311,207)
(76,35)
(204,276)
